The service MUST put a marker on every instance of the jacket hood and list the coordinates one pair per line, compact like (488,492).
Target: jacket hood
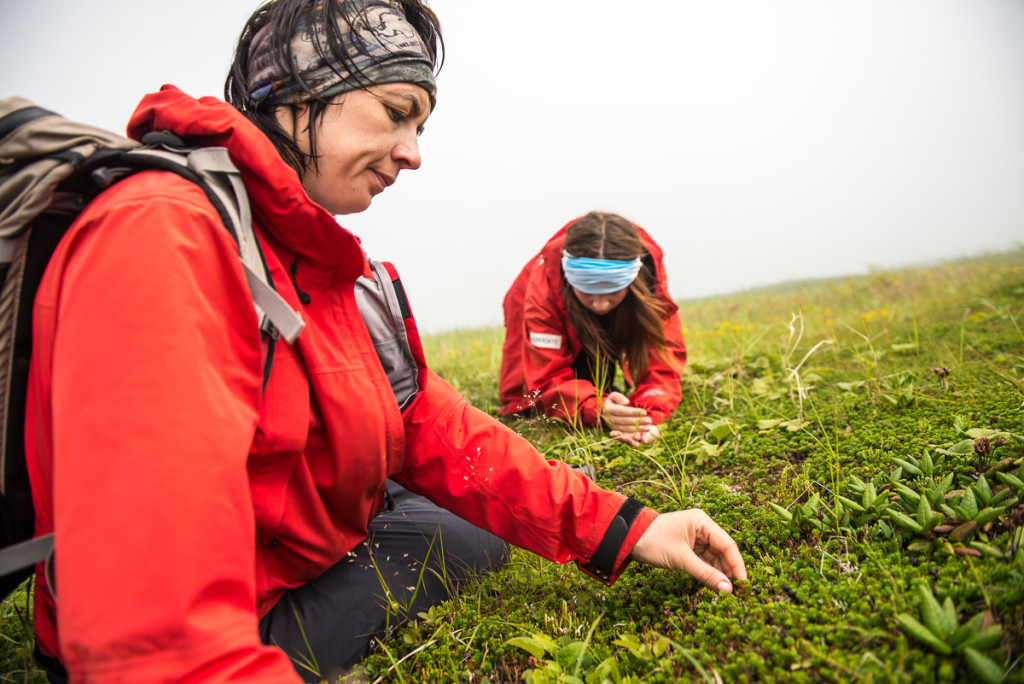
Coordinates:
(280,205)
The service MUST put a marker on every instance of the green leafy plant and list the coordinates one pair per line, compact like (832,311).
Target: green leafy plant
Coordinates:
(871,500)
(662,644)
(801,518)
(941,631)
(563,660)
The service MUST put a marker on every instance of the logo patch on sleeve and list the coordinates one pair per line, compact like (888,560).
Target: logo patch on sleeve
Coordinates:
(545,341)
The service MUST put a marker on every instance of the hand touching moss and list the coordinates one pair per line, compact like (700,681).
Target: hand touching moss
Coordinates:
(692,542)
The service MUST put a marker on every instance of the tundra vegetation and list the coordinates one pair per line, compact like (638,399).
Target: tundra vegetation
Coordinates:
(861,439)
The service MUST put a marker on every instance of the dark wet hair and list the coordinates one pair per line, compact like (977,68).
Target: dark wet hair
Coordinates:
(636,326)
(283,17)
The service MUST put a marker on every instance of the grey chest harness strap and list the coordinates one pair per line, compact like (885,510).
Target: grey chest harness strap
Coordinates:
(384,309)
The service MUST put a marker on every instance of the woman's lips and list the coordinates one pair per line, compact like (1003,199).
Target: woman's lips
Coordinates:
(383,180)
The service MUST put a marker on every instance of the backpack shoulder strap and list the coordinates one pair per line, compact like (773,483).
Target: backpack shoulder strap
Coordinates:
(25,554)
(212,170)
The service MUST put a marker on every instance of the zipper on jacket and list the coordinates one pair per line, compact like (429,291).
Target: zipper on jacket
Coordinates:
(294,269)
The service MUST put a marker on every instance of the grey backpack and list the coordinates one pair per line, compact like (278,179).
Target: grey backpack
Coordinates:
(50,168)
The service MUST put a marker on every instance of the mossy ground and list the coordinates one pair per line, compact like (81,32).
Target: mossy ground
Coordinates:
(792,397)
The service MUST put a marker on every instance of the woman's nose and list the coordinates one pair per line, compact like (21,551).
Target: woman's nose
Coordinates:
(407,153)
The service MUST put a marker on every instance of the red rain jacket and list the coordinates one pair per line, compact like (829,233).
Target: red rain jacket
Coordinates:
(184,500)
(541,346)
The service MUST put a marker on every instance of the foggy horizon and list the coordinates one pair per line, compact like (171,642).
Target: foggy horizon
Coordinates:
(758,143)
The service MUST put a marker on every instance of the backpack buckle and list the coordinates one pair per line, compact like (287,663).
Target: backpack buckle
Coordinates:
(268,328)
(163,138)
(103,177)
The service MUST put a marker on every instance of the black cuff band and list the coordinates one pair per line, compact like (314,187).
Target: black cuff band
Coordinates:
(602,563)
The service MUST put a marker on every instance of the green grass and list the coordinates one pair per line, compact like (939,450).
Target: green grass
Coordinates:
(801,404)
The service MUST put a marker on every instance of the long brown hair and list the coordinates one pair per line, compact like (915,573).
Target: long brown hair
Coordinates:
(633,328)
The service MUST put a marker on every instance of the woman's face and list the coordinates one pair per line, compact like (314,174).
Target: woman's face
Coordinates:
(365,138)
(600,303)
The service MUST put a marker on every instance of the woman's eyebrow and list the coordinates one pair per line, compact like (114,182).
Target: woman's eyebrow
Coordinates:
(415,108)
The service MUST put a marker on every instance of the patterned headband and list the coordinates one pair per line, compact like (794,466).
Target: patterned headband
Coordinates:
(382,45)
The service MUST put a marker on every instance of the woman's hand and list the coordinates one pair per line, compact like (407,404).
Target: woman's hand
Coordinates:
(691,541)
(628,424)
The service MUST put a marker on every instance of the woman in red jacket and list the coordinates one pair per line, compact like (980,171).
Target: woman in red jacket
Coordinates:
(596,294)
(217,525)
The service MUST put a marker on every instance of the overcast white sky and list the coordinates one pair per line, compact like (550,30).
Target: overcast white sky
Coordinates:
(756,141)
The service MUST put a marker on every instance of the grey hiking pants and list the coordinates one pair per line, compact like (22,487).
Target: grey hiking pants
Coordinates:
(344,611)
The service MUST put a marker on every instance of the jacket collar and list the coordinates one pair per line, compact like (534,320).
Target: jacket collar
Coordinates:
(279,203)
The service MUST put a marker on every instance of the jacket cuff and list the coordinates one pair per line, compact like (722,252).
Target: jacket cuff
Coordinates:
(657,412)
(575,402)
(612,555)
(587,411)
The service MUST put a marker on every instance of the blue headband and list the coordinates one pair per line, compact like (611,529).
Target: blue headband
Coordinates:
(599,276)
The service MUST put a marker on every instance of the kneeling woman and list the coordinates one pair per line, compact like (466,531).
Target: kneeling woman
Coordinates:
(596,294)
